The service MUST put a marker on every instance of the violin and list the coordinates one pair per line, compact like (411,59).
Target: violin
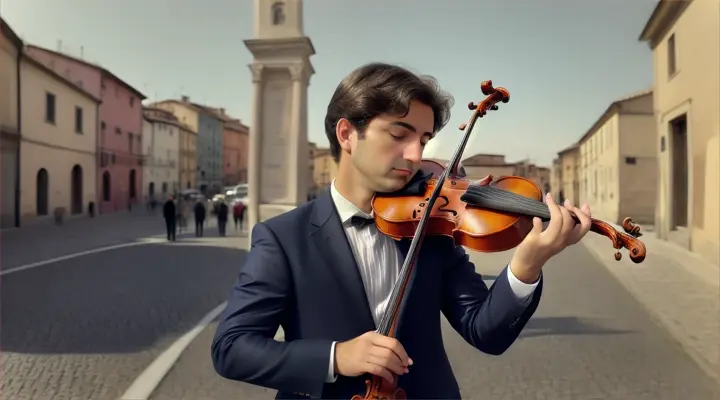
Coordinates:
(440,201)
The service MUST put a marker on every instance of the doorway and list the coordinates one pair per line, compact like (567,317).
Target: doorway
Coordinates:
(679,171)
(42,192)
(76,190)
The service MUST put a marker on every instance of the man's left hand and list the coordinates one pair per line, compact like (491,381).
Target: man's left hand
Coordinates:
(539,246)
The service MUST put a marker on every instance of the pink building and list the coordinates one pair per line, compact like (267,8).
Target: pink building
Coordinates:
(119,161)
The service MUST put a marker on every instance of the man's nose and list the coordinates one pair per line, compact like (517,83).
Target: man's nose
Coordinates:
(413,152)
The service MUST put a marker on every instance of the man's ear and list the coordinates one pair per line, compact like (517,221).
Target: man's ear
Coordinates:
(344,131)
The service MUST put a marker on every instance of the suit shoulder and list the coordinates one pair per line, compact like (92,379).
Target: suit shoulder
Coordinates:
(293,218)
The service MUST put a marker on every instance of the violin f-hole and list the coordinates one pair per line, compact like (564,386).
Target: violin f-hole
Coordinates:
(447,201)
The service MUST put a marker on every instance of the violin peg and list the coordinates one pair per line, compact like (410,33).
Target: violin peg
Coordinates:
(463,126)
(472,105)
(494,108)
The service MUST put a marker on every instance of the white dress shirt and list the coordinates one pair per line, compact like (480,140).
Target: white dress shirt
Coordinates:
(373,249)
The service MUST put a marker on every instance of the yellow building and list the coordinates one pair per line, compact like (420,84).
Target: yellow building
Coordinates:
(685,39)
(569,163)
(479,166)
(324,170)
(556,179)
(188,157)
(10,49)
(58,145)
(618,162)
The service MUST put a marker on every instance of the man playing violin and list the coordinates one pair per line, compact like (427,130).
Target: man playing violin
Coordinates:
(325,273)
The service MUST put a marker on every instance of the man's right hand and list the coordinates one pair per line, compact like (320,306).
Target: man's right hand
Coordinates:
(371,353)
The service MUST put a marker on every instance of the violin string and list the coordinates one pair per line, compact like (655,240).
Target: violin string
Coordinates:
(503,195)
(533,207)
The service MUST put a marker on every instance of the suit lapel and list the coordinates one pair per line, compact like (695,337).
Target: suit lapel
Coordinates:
(330,240)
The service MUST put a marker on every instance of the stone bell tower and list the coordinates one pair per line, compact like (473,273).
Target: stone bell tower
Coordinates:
(278,156)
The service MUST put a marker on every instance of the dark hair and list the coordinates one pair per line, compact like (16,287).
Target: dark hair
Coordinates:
(380,88)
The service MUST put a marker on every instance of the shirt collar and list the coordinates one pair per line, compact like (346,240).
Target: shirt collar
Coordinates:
(346,210)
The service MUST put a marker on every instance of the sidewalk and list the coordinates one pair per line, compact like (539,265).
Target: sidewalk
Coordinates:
(40,242)
(679,289)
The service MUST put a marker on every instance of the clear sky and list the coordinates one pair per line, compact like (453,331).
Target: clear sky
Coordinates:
(563,61)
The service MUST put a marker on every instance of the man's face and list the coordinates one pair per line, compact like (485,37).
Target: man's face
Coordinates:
(391,151)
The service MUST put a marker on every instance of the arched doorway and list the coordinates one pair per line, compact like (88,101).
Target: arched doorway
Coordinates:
(106,186)
(76,190)
(133,188)
(42,183)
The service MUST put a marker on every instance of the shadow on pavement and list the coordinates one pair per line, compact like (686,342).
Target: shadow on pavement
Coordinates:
(549,326)
(118,301)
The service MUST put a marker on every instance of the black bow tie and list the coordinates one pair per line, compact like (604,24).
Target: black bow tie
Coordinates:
(361,222)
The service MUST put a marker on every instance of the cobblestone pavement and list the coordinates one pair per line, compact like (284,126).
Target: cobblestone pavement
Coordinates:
(85,328)
(590,339)
(679,290)
(37,243)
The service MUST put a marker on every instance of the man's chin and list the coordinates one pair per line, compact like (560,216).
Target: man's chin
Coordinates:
(392,184)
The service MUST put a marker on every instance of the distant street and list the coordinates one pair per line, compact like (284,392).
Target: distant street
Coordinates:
(589,340)
(86,327)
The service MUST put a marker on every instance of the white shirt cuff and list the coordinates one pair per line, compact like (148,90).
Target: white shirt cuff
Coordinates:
(331,376)
(522,290)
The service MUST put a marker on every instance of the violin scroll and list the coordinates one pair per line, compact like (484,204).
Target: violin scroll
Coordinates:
(621,240)
(494,95)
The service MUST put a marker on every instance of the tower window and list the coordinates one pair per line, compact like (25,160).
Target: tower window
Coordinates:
(278,13)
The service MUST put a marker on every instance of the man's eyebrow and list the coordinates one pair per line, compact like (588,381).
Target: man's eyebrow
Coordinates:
(410,127)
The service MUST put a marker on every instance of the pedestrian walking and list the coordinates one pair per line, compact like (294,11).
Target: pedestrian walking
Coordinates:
(170,218)
(238,214)
(199,211)
(178,211)
(222,217)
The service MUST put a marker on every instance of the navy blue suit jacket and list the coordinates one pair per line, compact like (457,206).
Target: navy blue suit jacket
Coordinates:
(301,274)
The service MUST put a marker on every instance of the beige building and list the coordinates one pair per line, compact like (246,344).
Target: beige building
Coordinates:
(324,170)
(10,48)
(569,163)
(479,166)
(161,152)
(556,179)
(188,157)
(687,100)
(165,133)
(58,146)
(618,164)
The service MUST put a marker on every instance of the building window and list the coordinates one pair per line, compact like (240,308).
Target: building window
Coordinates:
(672,60)
(278,14)
(78,120)
(630,160)
(49,107)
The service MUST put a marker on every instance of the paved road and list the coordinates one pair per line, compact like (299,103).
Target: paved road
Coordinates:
(589,340)
(85,328)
